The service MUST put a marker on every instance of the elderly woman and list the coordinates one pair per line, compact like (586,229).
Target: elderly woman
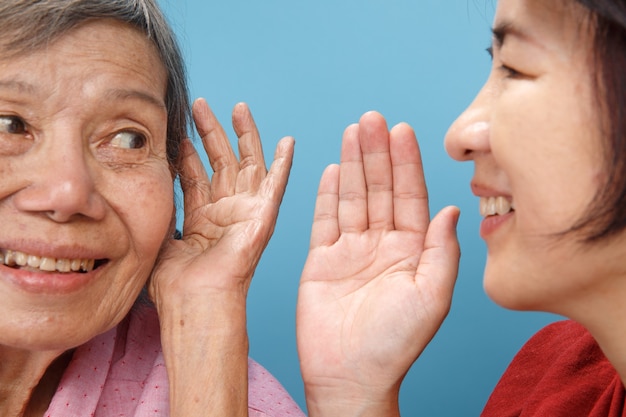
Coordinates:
(93,120)
(547,135)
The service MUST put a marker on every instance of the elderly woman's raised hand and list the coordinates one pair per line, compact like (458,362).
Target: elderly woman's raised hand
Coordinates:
(230,217)
(200,283)
(379,276)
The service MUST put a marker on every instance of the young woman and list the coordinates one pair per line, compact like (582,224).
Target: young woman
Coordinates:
(547,135)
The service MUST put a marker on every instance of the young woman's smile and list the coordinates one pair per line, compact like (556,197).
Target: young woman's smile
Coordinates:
(521,119)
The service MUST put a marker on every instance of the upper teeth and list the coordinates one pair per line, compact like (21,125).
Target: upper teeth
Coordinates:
(490,206)
(12,258)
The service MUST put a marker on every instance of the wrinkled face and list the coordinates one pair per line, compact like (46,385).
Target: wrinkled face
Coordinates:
(86,194)
(533,133)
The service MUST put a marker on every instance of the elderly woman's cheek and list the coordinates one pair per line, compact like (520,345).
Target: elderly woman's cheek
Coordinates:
(145,204)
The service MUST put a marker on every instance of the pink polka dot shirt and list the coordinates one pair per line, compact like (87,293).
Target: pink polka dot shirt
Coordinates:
(121,373)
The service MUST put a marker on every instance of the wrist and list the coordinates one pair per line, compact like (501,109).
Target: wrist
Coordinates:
(204,322)
(205,347)
(212,308)
(351,400)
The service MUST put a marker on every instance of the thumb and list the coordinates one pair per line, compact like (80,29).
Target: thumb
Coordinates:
(439,262)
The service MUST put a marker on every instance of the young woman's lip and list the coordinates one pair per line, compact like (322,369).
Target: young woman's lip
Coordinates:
(480,190)
(491,224)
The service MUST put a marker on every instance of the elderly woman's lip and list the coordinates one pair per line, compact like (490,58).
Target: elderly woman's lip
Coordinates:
(57,281)
(34,281)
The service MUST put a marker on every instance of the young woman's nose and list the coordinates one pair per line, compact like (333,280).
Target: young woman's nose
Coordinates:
(469,134)
(61,183)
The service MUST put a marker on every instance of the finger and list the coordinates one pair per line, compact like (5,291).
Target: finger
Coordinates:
(275,182)
(374,138)
(410,197)
(194,181)
(251,161)
(325,230)
(217,146)
(439,263)
(352,209)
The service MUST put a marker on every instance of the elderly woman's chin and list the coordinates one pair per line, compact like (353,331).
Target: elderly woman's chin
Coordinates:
(55,308)
(59,311)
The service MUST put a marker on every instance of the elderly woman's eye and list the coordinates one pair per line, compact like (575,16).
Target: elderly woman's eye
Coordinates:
(12,125)
(129,140)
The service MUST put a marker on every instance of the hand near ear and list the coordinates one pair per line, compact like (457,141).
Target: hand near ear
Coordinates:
(201,282)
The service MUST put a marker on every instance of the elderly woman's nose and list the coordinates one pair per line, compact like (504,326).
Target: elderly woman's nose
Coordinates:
(469,134)
(61,184)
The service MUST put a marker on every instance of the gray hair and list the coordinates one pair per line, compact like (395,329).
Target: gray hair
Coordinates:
(27,25)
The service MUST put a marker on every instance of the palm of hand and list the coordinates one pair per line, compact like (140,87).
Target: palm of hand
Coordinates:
(228,219)
(379,276)
(374,320)
(222,240)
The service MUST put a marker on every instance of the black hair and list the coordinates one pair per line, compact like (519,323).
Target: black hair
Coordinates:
(607,214)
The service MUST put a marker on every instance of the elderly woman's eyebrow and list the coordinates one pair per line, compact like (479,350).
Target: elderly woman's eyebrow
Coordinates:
(125,94)
(18,86)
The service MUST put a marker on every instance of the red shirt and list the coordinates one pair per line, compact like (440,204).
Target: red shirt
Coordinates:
(560,372)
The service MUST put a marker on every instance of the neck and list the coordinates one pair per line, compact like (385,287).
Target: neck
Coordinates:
(612,340)
(603,312)
(594,297)
(28,380)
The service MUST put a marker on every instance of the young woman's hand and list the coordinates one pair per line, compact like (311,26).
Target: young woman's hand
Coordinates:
(378,280)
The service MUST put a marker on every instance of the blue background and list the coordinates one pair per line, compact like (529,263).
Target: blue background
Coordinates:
(308,69)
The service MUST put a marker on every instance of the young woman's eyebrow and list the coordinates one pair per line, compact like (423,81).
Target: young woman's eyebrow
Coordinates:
(500,32)
(506,28)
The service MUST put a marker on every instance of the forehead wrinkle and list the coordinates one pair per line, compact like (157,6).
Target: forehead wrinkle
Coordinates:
(118,94)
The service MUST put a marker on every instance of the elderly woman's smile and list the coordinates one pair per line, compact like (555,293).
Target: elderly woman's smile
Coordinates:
(46,275)
(44,263)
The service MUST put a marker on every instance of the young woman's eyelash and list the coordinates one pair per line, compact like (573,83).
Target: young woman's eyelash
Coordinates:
(510,72)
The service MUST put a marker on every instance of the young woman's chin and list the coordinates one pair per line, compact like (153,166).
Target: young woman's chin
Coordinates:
(504,288)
